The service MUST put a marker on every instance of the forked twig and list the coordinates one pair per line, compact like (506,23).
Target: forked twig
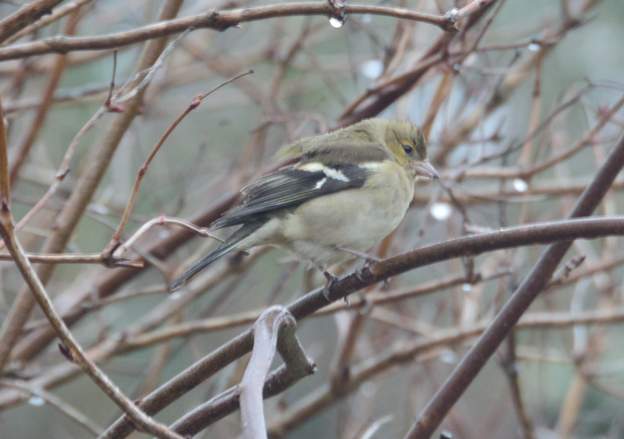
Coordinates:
(197,100)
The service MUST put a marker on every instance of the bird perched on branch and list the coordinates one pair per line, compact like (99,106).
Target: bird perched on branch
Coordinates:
(339,195)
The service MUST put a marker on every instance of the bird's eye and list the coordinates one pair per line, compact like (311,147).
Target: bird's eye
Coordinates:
(408,149)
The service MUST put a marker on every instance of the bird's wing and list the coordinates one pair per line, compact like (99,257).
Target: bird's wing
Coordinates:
(290,187)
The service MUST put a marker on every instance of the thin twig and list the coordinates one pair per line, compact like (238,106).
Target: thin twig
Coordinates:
(57,13)
(369,275)
(161,221)
(217,20)
(69,343)
(437,408)
(82,258)
(412,352)
(68,218)
(24,16)
(71,412)
(197,100)
(46,101)
(5,181)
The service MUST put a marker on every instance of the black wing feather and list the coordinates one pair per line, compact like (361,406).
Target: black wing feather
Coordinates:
(290,188)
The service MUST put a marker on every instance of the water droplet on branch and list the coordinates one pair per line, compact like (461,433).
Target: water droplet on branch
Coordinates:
(336,22)
(37,401)
(520,185)
(441,211)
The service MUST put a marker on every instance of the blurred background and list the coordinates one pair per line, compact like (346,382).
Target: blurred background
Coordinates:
(521,106)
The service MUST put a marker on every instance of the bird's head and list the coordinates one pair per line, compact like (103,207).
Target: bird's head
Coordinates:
(408,146)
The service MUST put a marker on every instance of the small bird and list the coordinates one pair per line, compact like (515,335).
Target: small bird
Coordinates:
(339,194)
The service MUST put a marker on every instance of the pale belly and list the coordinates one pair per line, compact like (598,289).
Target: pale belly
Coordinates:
(350,220)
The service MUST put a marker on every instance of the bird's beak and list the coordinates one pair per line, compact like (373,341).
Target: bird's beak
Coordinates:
(426,170)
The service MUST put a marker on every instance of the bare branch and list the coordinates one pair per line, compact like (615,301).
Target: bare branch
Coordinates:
(69,343)
(217,20)
(196,102)
(376,272)
(50,17)
(71,412)
(68,258)
(68,218)
(24,16)
(437,408)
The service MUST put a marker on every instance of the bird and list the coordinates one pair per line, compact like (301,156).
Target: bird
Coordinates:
(337,195)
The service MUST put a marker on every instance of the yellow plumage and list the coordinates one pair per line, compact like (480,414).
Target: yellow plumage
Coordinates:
(343,193)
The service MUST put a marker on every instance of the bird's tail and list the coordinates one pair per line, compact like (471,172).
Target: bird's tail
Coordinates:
(220,251)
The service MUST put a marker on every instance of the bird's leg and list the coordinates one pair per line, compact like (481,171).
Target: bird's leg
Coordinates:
(369,259)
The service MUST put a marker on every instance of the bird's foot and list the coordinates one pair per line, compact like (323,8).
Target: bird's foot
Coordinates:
(330,281)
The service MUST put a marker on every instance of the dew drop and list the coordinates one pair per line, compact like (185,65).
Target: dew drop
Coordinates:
(471,60)
(520,185)
(175,296)
(336,22)
(534,47)
(372,69)
(35,400)
(99,209)
(448,357)
(441,211)
(452,15)
(467,287)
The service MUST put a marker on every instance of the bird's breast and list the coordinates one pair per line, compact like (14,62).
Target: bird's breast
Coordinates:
(355,219)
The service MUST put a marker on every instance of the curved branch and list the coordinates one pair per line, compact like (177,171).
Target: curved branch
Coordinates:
(469,245)
(24,16)
(533,284)
(217,20)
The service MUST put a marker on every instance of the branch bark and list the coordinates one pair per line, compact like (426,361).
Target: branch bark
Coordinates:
(461,377)
(216,20)
(24,16)
(68,218)
(369,275)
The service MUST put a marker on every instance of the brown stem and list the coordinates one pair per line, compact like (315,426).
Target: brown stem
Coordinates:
(196,102)
(217,20)
(376,272)
(67,220)
(24,16)
(42,111)
(459,380)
